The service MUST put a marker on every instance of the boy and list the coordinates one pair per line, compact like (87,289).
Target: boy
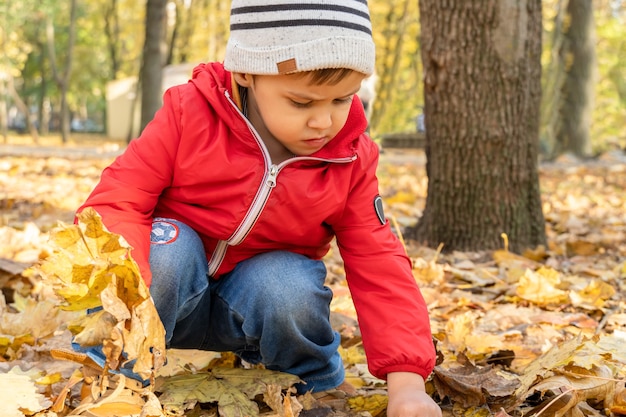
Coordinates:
(233,193)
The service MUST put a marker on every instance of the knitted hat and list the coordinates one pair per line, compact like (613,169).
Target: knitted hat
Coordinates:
(284,36)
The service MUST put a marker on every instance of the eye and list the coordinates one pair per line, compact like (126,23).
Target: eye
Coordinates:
(299,104)
(344,100)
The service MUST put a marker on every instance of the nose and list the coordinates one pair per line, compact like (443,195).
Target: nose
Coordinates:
(321,119)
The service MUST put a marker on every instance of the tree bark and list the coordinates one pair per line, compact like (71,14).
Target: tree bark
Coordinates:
(482,83)
(151,77)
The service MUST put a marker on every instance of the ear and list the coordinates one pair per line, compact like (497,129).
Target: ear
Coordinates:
(244,80)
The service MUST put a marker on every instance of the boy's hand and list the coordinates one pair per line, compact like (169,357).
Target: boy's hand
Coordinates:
(408,398)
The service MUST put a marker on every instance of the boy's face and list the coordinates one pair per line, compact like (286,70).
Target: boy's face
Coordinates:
(295,117)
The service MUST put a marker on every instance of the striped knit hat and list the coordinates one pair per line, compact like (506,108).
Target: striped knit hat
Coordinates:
(284,36)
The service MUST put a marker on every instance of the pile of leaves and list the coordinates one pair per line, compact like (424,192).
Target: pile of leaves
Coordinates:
(540,333)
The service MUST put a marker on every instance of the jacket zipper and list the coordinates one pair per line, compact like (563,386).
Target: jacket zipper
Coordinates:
(261,197)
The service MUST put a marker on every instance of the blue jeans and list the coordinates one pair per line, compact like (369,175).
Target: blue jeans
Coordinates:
(272,308)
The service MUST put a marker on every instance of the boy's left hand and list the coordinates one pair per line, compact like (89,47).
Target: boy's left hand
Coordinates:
(408,398)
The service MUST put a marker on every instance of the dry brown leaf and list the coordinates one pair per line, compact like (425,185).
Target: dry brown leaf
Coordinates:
(115,402)
(473,386)
(582,247)
(283,405)
(511,260)
(543,365)
(578,387)
(37,318)
(619,402)
(428,271)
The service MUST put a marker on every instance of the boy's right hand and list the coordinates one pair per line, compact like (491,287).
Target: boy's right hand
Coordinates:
(408,398)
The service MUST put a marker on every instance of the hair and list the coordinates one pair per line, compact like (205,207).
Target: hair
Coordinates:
(330,76)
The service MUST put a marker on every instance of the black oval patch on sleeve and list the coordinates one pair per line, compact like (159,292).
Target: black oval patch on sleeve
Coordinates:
(378,208)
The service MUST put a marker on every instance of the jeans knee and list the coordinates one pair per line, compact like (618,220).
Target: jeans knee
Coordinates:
(174,246)
(178,265)
(288,288)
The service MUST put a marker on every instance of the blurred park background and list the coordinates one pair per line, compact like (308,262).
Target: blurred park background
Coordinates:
(78,66)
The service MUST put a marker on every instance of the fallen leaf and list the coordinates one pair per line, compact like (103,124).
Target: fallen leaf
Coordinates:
(578,387)
(231,388)
(92,268)
(472,386)
(22,398)
(541,287)
(374,404)
(594,296)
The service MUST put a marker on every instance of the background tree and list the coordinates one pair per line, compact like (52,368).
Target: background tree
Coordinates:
(482,73)
(112,31)
(9,82)
(15,49)
(62,76)
(608,129)
(578,52)
(573,88)
(151,77)
(553,75)
(398,67)
(110,37)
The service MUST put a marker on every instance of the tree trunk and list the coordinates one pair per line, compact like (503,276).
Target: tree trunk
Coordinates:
(23,107)
(63,80)
(4,111)
(482,82)
(578,57)
(395,30)
(552,88)
(112,31)
(152,67)
(44,107)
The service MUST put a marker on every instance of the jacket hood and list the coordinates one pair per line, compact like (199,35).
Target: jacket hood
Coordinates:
(216,85)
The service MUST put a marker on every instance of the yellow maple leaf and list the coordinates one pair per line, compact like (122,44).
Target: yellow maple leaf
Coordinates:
(541,287)
(458,328)
(352,355)
(593,296)
(91,268)
(375,404)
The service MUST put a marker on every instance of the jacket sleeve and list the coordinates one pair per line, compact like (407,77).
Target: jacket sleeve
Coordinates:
(129,188)
(391,311)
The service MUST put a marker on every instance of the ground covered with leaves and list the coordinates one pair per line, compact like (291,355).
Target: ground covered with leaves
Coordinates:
(540,334)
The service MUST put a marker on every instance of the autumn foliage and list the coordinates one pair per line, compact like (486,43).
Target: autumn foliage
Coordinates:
(535,334)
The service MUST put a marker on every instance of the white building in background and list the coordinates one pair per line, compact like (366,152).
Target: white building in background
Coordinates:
(367,94)
(123,105)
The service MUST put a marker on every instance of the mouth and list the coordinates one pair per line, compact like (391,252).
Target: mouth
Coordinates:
(316,141)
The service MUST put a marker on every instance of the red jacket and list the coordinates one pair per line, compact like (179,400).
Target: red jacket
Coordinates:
(199,162)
